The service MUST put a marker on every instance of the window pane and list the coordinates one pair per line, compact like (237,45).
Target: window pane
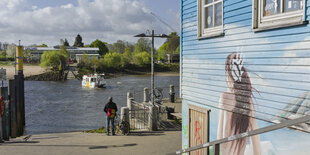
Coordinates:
(272,7)
(292,5)
(218,14)
(208,1)
(209,17)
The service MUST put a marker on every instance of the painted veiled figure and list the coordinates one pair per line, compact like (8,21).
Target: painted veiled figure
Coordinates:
(237,109)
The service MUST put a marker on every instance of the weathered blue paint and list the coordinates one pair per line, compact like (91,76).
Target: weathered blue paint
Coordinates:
(278,62)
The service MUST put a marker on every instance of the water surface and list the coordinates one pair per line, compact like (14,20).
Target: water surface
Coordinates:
(67,106)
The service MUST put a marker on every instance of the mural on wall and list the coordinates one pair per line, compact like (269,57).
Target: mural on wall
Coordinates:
(237,114)
(272,81)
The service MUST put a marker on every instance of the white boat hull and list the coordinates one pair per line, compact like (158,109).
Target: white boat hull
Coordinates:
(93,81)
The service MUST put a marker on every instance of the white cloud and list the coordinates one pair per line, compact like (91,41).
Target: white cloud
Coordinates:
(291,49)
(108,20)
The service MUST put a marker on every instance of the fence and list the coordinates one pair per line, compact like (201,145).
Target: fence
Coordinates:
(143,115)
(139,116)
(216,143)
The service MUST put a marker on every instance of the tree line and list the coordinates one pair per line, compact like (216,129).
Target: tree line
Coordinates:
(116,56)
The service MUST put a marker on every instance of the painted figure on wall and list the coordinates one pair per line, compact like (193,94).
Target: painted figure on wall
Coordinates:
(237,109)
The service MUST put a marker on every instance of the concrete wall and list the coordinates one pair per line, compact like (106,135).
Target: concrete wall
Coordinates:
(278,64)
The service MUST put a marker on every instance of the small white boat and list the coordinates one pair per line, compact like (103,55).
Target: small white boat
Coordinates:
(93,81)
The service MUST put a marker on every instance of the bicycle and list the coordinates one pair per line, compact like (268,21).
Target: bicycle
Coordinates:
(121,126)
(158,95)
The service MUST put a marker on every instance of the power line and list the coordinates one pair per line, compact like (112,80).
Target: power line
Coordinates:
(162,21)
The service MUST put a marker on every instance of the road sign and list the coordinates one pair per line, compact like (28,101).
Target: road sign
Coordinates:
(2,74)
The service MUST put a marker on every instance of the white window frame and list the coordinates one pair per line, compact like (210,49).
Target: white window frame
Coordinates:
(213,31)
(283,19)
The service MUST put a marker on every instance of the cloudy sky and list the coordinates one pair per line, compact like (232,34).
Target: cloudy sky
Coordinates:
(48,21)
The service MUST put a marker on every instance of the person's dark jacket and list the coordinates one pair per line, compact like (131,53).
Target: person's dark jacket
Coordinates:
(111,105)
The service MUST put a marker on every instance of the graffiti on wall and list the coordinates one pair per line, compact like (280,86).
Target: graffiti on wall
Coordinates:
(198,127)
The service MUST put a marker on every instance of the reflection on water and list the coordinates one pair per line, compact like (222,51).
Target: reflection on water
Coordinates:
(66,106)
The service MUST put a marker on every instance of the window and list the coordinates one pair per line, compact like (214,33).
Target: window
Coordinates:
(210,18)
(277,13)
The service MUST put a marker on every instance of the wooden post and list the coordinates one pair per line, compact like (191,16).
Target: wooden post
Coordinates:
(146,95)
(13,107)
(216,149)
(172,93)
(22,91)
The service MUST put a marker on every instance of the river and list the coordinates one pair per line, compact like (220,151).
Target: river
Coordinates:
(53,107)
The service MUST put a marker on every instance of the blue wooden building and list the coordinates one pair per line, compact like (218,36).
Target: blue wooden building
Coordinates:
(245,64)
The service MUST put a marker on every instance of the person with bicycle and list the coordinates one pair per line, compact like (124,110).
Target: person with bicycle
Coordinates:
(111,109)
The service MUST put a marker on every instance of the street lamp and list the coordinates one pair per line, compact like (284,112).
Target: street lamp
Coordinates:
(148,34)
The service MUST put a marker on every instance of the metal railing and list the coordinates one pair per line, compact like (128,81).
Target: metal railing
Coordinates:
(216,143)
(139,115)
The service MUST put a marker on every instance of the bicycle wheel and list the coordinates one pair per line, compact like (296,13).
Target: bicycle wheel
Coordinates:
(125,128)
(158,94)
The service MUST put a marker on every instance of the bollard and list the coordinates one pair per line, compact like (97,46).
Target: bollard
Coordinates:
(146,95)
(153,118)
(171,93)
(129,103)
(129,100)
(125,114)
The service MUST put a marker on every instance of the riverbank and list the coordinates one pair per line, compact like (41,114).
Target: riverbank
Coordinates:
(141,74)
(34,72)
(28,71)
(79,143)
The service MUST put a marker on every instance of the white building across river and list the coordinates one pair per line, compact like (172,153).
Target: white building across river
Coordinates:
(75,52)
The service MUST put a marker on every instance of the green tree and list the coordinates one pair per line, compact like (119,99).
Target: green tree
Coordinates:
(64,51)
(142,58)
(78,41)
(113,60)
(173,41)
(126,57)
(177,51)
(118,47)
(53,59)
(85,61)
(66,43)
(27,53)
(162,51)
(2,53)
(11,50)
(171,46)
(143,44)
(101,45)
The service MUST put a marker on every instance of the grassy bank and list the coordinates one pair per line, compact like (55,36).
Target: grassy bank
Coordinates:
(130,69)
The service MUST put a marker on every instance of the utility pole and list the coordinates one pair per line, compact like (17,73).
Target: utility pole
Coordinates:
(153,109)
(152,35)
(152,70)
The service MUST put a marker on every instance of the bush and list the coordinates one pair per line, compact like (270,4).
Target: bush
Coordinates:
(142,59)
(53,59)
(4,58)
(112,60)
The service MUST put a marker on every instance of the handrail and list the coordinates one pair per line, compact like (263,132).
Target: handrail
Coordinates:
(245,134)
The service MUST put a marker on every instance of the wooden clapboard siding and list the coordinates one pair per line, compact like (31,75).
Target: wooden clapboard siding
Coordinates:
(278,60)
